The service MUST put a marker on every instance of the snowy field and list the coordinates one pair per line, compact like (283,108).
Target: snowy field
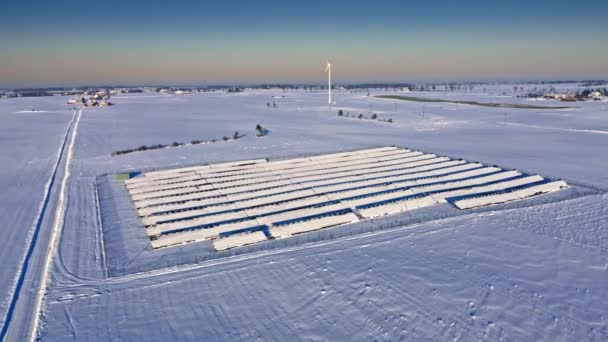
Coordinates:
(530,271)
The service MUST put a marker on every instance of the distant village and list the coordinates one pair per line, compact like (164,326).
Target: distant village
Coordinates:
(100,96)
(94,99)
(585,95)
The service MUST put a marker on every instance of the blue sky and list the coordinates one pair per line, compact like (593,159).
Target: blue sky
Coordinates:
(200,42)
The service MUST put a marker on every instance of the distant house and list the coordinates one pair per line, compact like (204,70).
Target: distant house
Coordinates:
(552,96)
(560,97)
(595,94)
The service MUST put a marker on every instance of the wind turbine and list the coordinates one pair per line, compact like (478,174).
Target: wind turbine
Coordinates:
(328,71)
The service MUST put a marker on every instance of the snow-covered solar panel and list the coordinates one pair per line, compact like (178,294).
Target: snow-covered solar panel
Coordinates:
(521,192)
(200,234)
(394,207)
(541,189)
(207,168)
(291,205)
(238,240)
(152,220)
(204,221)
(298,213)
(254,187)
(172,192)
(261,193)
(163,187)
(290,196)
(307,226)
(176,199)
(164,181)
(358,165)
(245,202)
(491,187)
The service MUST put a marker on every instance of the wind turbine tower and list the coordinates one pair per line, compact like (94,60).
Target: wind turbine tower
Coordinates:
(328,71)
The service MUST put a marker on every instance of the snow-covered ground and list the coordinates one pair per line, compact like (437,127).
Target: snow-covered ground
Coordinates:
(511,272)
(29,152)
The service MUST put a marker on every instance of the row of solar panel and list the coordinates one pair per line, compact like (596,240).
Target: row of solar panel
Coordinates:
(257,200)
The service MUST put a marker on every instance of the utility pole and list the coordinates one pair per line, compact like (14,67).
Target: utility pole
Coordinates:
(328,70)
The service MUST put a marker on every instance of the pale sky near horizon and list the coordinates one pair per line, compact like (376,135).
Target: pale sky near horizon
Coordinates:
(65,42)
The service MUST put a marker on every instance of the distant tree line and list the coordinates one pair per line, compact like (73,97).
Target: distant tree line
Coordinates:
(142,148)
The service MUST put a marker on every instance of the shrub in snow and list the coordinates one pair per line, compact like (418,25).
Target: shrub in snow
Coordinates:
(360,116)
(235,135)
(374,116)
(340,112)
(260,131)
(225,138)
(116,153)
(196,142)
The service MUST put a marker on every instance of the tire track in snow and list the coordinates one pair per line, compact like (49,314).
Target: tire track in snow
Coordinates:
(171,275)
(60,266)
(22,272)
(102,247)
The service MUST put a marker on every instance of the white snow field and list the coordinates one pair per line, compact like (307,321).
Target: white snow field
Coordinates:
(526,270)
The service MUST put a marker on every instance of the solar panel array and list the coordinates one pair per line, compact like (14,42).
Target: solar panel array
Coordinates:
(245,202)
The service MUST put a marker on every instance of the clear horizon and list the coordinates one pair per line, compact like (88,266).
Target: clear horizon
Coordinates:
(186,42)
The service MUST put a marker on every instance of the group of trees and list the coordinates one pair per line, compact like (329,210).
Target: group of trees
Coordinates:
(588,92)
(518,88)
(142,148)
(374,116)
(273,105)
